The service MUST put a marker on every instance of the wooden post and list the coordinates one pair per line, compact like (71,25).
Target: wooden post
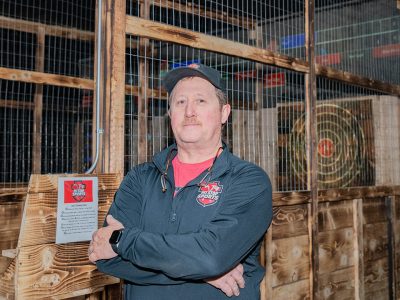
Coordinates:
(391,215)
(268,265)
(266,252)
(114,88)
(396,236)
(38,107)
(358,249)
(142,95)
(259,101)
(312,163)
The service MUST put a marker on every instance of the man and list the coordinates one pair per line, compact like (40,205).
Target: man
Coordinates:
(189,224)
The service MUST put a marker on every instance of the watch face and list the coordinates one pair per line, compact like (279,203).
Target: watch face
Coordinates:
(115,236)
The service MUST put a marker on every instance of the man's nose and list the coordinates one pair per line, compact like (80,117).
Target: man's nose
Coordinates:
(190,109)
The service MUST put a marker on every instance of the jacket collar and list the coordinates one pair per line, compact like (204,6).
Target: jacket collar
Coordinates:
(221,165)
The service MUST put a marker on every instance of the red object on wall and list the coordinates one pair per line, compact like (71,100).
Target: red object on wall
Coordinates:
(328,59)
(274,80)
(87,99)
(245,74)
(386,51)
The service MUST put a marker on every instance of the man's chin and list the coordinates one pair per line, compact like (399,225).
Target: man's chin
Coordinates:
(189,140)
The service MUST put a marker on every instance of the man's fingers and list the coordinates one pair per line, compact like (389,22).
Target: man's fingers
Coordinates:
(240,268)
(231,281)
(96,237)
(92,257)
(111,221)
(237,275)
(227,289)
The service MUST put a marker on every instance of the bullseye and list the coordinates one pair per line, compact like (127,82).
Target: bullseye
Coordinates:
(326,147)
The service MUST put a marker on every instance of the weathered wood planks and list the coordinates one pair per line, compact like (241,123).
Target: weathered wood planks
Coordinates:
(42,269)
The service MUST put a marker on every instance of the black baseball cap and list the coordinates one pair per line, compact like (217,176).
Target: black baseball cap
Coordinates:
(193,70)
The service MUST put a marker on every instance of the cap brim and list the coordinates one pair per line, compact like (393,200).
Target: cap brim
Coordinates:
(172,78)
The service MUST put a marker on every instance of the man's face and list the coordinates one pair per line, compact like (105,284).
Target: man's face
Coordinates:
(196,114)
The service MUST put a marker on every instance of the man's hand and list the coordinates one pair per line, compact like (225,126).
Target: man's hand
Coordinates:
(230,282)
(100,247)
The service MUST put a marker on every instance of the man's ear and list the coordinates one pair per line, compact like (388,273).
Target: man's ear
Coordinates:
(226,110)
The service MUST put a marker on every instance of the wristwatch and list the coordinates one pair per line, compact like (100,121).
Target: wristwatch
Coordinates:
(114,239)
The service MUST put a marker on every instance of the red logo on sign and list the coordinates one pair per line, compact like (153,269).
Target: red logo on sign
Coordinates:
(78,191)
(209,193)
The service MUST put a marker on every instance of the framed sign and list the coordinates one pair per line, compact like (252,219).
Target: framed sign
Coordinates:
(77,209)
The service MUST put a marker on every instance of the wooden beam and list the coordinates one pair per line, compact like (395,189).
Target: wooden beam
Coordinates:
(142,131)
(350,78)
(152,30)
(38,108)
(114,89)
(311,147)
(268,246)
(151,93)
(357,193)
(52,30)
(396,246)
(45,78)
(16,104)
(259,101)
(12,189)
(392,265)
(191,8)
(290,198)
(358,249)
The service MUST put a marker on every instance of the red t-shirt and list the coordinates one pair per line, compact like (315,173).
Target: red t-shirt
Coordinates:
(184,172)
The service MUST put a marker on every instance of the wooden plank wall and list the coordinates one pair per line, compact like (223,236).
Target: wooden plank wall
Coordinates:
(11,207)
(41,268)
(10,221)
(356,259)
(358,240)
(290,252)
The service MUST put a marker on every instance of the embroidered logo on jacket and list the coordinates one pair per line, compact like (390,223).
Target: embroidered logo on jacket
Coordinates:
(209,193)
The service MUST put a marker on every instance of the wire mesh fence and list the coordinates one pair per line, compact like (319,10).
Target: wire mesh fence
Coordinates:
(45,128)
(48,128)
(361,37)
(274,25)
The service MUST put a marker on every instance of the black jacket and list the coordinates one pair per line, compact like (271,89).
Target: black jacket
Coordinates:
(170,244)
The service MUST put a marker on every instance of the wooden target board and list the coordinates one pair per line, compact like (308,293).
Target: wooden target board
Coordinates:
(344,143)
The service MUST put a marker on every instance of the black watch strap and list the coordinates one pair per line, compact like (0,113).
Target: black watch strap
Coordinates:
(115,238)
(114,247)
